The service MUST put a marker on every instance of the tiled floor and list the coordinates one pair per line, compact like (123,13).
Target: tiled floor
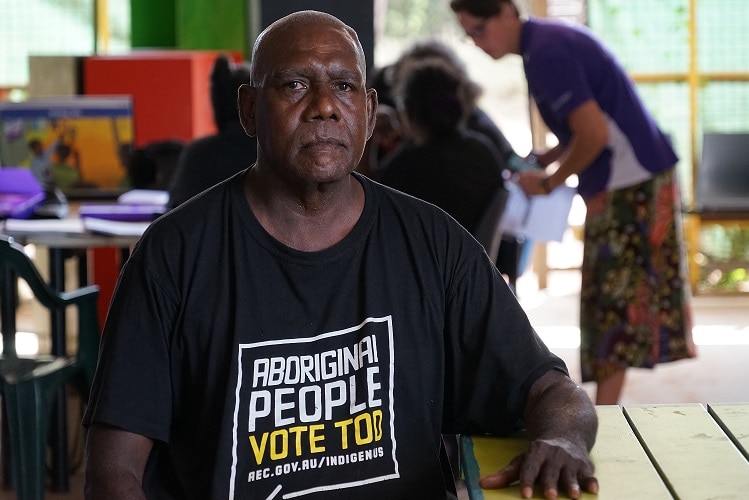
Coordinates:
(718,374)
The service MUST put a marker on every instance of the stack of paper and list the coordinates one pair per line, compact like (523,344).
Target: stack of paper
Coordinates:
(26,227)
(137,205)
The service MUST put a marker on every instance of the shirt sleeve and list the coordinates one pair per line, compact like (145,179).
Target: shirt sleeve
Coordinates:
(132,387)
(558,78)
(494,354)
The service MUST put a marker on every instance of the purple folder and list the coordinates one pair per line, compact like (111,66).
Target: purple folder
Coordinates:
(20,193)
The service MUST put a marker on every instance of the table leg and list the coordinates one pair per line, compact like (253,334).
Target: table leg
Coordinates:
(8,301)
(59,433)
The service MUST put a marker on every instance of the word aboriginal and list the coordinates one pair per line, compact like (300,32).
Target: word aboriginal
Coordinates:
(268,372)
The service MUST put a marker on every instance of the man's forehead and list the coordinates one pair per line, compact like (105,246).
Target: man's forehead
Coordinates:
(309,38)
(332,49)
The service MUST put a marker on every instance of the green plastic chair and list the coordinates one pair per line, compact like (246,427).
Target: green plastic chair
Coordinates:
(29,386)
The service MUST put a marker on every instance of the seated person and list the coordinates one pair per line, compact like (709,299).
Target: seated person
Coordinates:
(513,252)
(442,163)
(477,119)
(152,165)
(209,160)
(384,141)
(299,330)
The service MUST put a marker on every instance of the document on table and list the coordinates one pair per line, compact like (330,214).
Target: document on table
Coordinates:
(115,228)
(27,227)
(539,218)
(71,227)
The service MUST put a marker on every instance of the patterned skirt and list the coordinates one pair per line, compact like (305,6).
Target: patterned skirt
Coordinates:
(635,298)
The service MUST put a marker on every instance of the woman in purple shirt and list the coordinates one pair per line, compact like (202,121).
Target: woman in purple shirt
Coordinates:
(635,297)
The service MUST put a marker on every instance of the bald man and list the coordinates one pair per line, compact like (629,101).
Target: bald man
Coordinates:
(299,331)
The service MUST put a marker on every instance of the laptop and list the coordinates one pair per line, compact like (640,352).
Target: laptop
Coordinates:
(723,174)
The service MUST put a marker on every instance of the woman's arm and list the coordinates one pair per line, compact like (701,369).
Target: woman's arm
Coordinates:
(590,135)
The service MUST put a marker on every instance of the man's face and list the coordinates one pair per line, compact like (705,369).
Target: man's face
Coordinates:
(310,108)
(492,34)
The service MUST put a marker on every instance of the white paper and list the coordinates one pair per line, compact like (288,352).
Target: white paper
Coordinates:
(115,228)
(539,218)
(44,226)
(144,197)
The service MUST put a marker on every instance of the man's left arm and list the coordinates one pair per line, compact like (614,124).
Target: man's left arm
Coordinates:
(561,423)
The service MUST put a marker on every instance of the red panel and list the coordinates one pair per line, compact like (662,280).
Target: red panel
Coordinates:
(171,97)
(104,268)
(170,91)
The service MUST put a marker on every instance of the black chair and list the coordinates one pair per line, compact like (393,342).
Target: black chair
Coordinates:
(489,231)
(723,175)
(29,386)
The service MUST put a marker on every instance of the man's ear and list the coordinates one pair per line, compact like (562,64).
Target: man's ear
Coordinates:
(371,111)
(246,102)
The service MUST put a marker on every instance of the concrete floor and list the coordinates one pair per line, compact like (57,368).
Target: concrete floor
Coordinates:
(718,373)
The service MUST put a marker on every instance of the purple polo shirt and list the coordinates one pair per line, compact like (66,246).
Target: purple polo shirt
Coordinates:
(565,66)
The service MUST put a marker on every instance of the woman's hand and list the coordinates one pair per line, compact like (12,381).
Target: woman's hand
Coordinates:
(532,182)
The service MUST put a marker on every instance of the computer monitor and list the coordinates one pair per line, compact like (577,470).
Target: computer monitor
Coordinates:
(723,174)
(86,140)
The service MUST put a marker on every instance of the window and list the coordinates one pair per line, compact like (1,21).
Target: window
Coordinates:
(57,27)
(689,60)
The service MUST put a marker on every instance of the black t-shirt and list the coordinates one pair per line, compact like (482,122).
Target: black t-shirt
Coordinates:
(260,370)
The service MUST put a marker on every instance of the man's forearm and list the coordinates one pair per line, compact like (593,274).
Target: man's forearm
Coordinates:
(559,408)
(115,462)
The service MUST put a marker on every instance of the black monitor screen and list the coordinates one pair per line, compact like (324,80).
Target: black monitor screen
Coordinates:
(723,174)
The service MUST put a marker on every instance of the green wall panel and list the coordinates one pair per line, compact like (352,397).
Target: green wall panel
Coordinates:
(190,24)
(212,25)
(153,24)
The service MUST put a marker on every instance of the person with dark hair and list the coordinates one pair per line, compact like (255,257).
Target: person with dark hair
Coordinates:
(301,331)
(513,252)
(152,166)
(476,118)
(635,298)
(442,162)
(387,135)
(381,80)
(209,160)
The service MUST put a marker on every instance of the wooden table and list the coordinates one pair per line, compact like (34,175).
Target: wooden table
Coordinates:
(687,451)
